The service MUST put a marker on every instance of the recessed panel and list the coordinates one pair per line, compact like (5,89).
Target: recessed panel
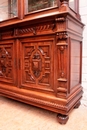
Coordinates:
(7,66)
(75,63)
(37,65)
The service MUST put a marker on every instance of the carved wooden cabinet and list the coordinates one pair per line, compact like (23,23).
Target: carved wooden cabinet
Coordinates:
(41,54)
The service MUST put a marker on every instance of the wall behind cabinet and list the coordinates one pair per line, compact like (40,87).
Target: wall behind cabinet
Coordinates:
(83,13)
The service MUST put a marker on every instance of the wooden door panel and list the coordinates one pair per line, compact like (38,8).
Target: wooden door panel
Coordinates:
(37,64)
(7,62)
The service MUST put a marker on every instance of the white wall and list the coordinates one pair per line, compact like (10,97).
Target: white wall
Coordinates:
(83,13)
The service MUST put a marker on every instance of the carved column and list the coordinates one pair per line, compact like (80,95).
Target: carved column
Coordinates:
(64,5)
(62,54)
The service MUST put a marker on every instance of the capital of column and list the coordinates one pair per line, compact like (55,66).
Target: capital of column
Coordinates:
(64,1)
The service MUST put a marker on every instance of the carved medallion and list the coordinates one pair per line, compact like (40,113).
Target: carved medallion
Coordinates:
(36,64)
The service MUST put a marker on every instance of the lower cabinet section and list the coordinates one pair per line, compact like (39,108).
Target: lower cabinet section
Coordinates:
(44,99)
(37,72)
(41,61)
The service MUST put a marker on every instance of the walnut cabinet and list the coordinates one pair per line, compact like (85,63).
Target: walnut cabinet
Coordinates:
(41,54)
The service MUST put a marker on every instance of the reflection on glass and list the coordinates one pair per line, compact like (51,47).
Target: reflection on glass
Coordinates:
(72,4)
(34,5)
(8,9)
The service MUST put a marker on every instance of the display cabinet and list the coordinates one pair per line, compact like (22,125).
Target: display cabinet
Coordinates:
(41,54)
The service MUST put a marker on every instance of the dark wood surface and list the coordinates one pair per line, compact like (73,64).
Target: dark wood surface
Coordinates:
(41,58)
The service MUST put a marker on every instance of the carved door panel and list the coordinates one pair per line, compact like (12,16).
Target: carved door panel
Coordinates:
(37,64)
(7,62)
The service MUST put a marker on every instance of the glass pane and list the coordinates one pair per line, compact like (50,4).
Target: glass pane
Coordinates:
(8,9)
(34,5)
(72,4)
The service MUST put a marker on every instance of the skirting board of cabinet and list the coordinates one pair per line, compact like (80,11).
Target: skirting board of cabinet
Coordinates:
(61,106)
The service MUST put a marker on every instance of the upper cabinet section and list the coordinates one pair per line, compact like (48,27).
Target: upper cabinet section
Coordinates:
(41,5)
(8,9)
(36,5)
(72,4)
(17,11)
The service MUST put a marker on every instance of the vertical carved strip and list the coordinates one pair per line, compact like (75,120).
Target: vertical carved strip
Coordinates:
(62,47)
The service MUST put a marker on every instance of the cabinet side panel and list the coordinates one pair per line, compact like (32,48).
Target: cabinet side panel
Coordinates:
(75,63)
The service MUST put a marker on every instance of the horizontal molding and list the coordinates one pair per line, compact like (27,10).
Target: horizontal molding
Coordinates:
(29,99)
(62,79)
(63,44)
(61,89)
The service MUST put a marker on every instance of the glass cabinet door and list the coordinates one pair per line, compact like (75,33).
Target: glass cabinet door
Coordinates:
(8,9)
(34,5)
(72,4)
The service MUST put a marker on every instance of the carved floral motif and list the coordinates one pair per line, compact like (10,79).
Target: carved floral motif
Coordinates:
(5,62)
(62,35)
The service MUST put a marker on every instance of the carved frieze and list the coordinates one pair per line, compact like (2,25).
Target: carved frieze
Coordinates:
(48,103)
(6,34)
(37,29)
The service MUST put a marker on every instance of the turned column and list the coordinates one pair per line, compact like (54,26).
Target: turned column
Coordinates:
(64,1)
(64,5)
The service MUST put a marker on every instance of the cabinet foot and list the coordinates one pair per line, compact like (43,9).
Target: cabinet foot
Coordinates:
(77,105)
(62,119)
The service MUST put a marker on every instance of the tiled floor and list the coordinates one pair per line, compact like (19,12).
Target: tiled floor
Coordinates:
(18,116)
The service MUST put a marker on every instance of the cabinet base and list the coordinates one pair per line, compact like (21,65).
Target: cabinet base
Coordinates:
(77,105)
